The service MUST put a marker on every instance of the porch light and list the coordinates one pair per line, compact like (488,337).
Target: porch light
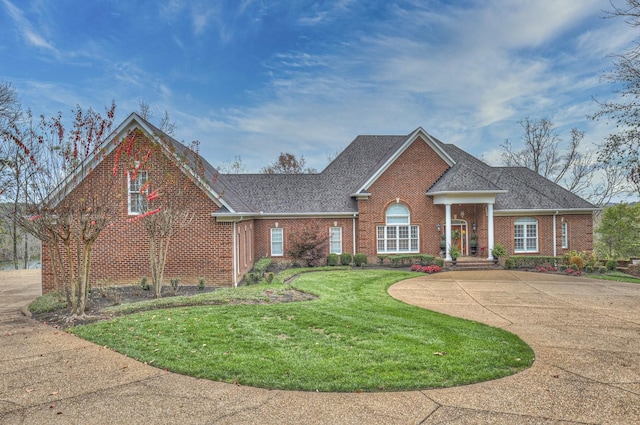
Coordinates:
(462,213)
(438,227)
(473,226)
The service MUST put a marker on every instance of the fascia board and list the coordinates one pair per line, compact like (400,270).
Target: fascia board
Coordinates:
(545,211)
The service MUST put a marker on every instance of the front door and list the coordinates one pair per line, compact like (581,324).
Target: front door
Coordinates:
(459,235)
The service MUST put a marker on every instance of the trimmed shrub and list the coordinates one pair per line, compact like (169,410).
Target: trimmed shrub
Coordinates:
(345,259)
(406,260)
(269,277)
(439,262)
(261,265)
(510,263)
(578,262)
(201,284)
(588,269)
(533,261)
(360,260)
(611,265)
(252,278)
(332,260)
(602,269)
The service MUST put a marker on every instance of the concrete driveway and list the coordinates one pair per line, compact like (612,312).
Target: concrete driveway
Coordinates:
(586,335)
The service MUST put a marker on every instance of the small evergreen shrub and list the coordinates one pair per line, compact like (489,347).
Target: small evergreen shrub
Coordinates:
(510,263)
(144,284)
(345,259)
(588,269)
(333,259)
(174,284)
(252,278)
(439,262)
(201,284)
(611,265)
(360,260)
(602,269)
(269,277)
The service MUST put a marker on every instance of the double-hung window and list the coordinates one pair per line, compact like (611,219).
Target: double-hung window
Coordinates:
(525,235)
(335,240)
(137,192)
(277,242)
(398,235)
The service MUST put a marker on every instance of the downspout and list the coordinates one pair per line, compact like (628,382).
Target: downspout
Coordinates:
(235,254)
(555,241)
(354,234)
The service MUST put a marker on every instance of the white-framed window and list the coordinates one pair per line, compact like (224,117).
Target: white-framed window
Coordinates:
(277,242)
(398,235)
(335,240)
(565,235)
(137,199)
(525,235)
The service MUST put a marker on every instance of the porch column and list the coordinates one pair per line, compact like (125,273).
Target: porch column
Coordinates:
(490,229)
(447,231)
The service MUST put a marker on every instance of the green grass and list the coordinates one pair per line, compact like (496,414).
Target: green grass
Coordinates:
(355,337)
(615,276)
(46,304)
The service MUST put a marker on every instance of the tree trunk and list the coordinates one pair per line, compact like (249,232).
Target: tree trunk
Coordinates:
(83,278)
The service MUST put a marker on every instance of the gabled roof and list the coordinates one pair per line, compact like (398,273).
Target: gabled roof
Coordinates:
(350,174)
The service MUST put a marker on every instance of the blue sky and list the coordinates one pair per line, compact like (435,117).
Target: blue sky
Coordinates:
(256,78)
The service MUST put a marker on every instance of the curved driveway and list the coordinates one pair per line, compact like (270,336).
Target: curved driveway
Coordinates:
(586,335)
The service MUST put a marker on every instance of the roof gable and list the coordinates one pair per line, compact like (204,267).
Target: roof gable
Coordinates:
(390,158)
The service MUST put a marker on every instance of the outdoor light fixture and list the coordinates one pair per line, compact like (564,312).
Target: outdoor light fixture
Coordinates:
(438,227)
(462,213)
(473,226)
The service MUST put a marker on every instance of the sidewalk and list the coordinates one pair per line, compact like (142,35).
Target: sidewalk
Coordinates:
(586,335)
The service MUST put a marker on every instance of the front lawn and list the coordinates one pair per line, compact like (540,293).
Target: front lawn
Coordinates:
(615,276)
(355,337)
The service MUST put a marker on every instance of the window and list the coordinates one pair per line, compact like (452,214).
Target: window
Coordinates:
(398,235)
(277,242)
(137,192)
(335,240)
(526,235)
(565,235)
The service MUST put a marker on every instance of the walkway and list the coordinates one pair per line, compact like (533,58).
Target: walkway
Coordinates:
(586,335)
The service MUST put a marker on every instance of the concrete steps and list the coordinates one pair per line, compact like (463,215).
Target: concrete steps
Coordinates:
(472,263)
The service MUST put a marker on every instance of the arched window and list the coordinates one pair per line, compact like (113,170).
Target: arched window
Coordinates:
(398,236)
(525,235)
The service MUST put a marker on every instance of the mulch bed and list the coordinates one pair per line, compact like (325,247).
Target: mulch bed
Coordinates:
(101,298)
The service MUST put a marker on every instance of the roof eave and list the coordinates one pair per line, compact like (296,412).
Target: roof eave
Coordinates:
(545,211)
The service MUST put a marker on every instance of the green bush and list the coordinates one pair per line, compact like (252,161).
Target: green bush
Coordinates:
(261,265)
(332,260)
(201,283)
(406,260)
(252,278)
(360,260)
(144,284)
(174,284)
(578,262)
(269,277)
(533,261)
(345,259)
(611,265)
(439,262)
(588,269)
(510,263)
(562,267)
(602,269)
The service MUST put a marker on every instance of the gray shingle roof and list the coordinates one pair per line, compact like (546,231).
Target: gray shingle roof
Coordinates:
(330,191)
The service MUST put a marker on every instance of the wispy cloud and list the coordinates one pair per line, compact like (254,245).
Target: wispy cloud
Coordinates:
(26,29)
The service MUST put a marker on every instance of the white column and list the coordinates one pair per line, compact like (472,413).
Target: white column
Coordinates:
(490,230)
(447,227)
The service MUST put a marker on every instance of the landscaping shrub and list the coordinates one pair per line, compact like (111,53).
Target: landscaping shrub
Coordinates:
(509,263)
(439,262)
(269,277)
(588,269)
(345,259)
(602,269)
(174,284)
(201,284)
(309,247)
(406,260)
(252,278)
(577,261)
(532,261)
(360,260)
(426,269)
(261,265)
(611,265)
(332,260)
(144,284)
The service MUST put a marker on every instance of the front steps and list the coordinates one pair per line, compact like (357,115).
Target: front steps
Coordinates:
(472,263)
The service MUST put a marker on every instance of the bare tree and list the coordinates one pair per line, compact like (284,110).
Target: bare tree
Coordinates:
(168,126)
(287,163)
(571,166)
(622,148)
(234,167)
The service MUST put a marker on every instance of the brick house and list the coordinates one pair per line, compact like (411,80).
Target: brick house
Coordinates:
(381,195)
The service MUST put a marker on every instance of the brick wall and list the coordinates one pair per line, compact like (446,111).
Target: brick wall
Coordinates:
(290,225)
(406,180)
(121,253)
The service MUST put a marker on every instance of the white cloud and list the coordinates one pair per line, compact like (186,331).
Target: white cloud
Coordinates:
(26,29)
